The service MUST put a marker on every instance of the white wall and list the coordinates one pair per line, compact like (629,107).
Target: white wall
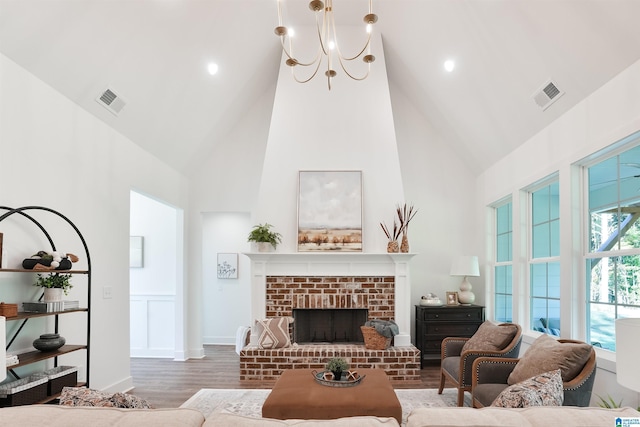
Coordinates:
(443,191)
(227,182)
(153,287)
(225,302)
(607,116)
(347,128)
(57,155)
(423,166)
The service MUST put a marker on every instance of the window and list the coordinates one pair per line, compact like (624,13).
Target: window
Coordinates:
(613,258)
(504,263)
(544,263)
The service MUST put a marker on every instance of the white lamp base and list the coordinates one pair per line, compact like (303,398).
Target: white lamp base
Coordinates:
(465,296)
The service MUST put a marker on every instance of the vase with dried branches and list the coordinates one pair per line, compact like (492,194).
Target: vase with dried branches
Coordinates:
(405,215)
(392,245)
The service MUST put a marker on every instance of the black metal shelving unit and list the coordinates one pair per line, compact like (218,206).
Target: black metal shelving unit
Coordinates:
(23,317)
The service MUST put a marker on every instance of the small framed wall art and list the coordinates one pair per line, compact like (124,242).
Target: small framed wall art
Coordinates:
(227,266)
(452,298)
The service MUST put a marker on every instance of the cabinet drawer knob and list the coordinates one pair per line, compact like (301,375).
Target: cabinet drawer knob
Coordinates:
(469,315)
(436,316)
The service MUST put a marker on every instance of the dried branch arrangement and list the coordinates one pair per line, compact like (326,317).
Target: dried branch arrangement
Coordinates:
(396,231)
(405,215)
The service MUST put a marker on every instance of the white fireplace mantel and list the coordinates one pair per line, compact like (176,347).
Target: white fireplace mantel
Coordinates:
(265,264)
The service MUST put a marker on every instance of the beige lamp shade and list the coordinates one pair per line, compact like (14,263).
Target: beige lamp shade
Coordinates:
(627,350)
(465,265)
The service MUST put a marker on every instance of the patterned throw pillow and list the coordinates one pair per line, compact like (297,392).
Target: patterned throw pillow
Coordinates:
(542,390)
(491,337)
(82,396)
(274,332)
(125,400)
(546,354)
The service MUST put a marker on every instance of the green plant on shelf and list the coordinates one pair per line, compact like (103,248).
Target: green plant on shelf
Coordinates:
(54,280)
(262,233)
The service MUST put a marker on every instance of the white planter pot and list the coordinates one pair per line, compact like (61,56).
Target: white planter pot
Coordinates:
(265,247)
(52,294)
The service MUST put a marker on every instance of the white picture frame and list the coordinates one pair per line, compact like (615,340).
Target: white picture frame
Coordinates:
(227,266)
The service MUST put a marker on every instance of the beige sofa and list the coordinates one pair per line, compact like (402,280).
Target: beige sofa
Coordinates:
(68,416)
(540,416)
(63,416)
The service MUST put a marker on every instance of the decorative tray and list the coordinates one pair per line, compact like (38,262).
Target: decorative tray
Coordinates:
(320,379)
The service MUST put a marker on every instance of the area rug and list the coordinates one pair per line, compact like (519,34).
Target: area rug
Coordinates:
(249,402)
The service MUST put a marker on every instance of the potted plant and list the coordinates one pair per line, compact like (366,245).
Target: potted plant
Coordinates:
(54,285)
(263,236)
(336,366)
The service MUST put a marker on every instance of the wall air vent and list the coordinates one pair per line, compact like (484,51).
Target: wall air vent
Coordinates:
(111,101)
(547,95)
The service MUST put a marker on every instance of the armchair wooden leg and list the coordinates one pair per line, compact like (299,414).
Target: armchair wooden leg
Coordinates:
(460,397)
(442,379)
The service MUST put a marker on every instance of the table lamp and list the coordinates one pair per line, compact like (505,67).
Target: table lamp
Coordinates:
(465,266)
(627,333)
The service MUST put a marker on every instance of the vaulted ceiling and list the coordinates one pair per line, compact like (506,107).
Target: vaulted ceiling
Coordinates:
(154,53)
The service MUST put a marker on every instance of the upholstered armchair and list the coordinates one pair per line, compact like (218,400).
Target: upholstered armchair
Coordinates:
(458,354)
(575,359)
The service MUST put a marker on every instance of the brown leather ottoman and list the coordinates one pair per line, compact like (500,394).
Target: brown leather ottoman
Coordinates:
(297,395)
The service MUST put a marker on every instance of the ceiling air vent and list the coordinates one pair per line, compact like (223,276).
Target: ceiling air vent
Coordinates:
(547,95)
(111,101)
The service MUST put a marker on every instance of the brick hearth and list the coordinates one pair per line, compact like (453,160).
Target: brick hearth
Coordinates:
(402,364)
(285,293)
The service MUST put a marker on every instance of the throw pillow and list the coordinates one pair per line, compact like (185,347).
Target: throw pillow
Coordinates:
(491,337)
(542,390)
(273,332)
(125,400)
(546,354)
(82,396)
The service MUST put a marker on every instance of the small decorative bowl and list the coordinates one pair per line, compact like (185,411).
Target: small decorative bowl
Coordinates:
(430,300)
(48,342)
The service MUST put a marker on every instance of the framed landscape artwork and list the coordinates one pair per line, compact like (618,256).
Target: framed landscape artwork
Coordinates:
(330,211)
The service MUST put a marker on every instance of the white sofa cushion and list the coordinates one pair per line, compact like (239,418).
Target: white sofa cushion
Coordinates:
(538,416)
(224,419)
(80,416)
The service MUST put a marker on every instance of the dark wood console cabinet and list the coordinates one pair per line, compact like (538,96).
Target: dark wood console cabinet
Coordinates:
(433,324)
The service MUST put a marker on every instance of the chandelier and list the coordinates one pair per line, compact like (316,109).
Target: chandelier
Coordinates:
(328,43)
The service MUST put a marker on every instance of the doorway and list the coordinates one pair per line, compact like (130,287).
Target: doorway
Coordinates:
(154,277)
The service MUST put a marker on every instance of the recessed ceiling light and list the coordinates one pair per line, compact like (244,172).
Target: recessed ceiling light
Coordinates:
(449,65)
(212,68)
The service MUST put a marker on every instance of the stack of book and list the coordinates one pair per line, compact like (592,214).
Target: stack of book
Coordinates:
(49,307)
(71,305)
(12,359)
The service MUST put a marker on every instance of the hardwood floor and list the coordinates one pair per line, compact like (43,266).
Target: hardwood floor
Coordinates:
(168,384)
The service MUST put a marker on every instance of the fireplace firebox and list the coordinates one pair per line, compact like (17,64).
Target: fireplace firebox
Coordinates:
(328,325)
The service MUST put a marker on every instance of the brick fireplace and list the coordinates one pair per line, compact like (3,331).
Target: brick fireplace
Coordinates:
(378,283)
